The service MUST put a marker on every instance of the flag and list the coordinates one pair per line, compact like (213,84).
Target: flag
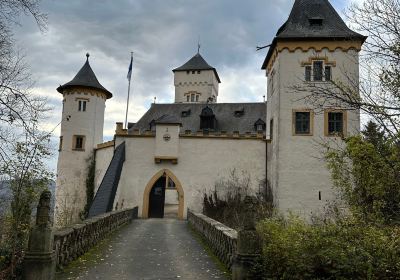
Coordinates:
(130,70)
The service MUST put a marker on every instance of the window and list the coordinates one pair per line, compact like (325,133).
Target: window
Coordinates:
(334,122)
(79,142)
(193,72)
(302,122)
(192,97)
(188,72)
(197,98)
(328,73)
(60,144)
(317,70)
(187,98)
(82,105)
(271,129)
(308,73)
(198,72)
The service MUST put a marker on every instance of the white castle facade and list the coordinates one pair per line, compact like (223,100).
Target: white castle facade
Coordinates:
(175,152)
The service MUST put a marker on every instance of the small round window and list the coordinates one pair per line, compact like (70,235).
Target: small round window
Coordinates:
(167,137)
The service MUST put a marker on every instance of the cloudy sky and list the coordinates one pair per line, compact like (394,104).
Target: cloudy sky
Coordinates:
(163,34)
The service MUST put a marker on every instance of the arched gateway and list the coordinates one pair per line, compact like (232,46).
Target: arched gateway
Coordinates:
(154,194)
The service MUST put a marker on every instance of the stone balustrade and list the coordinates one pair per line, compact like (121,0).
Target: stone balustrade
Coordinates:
(73,241)
(221,239)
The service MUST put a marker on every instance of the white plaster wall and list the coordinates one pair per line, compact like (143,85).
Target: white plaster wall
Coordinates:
(202,162)
(167,148)
(205,83)
(300,171)
(103,159)
(72,165)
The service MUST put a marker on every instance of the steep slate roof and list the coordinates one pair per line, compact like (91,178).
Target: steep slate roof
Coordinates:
(299,27)
(167,119)
(85,78)
(104,199)
(197,62)
(224,114)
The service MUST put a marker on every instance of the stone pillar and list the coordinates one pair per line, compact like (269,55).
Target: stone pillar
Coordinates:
(39,259)
(248,244)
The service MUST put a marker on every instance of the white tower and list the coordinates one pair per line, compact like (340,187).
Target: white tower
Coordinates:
(81,130)
(196,82)
(311,49)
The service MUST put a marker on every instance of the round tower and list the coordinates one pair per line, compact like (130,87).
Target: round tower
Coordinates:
(81,130)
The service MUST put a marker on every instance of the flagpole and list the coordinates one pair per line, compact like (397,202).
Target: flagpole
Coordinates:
(129,89)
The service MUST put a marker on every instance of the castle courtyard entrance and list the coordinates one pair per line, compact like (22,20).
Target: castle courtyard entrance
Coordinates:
(163,197)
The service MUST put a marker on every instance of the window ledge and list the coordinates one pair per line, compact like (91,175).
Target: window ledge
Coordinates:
(79,150)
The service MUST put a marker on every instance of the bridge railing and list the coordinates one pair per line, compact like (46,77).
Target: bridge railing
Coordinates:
(221,239)
(73,241)
(238,250)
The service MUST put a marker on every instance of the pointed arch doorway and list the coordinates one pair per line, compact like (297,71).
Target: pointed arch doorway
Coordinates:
(156,192)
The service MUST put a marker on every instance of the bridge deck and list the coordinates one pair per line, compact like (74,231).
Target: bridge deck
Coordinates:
(147,249)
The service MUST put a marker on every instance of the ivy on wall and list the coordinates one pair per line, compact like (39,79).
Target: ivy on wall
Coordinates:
(89,186)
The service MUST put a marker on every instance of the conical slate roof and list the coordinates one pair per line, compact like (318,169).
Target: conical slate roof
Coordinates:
(197,62)
(313,20)
(85,78)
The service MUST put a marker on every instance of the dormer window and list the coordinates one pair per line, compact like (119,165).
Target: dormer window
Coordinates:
(259,125)
(316,21)
(239,113)
(207,119)
(185,114)
(318,71)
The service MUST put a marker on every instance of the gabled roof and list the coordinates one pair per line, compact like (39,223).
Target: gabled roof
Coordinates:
(85,78)
(313,20)
(197,62)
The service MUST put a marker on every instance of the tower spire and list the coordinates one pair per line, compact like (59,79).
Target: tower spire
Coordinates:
(198,46)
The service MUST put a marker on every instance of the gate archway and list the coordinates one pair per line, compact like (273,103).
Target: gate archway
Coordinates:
(151,187)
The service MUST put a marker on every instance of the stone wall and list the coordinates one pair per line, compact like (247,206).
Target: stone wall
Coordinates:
(221,239)
(73,241)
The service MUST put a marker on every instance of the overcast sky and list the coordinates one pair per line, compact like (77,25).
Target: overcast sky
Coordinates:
(163,34)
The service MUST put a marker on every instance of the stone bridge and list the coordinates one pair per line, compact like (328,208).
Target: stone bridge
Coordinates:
(117,245)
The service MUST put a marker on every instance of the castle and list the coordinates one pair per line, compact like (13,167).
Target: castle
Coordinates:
(175,152)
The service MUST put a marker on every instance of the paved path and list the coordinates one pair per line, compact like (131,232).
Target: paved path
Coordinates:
(147,249)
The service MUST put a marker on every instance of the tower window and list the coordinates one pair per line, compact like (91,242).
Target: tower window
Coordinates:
(317,70)
(192,97)
(79,142)
(82,105)
(197,98)
(61,144)
(308,73)
(188,72)
(271,129)
(302,122)
(198,72)
(187,98)
(193,72)
(335,123)
(328,73)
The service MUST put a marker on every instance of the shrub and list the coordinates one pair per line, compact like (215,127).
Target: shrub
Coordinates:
(225,203)
(293,249)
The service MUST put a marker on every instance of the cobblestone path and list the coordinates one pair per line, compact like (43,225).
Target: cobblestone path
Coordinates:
(147,249)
